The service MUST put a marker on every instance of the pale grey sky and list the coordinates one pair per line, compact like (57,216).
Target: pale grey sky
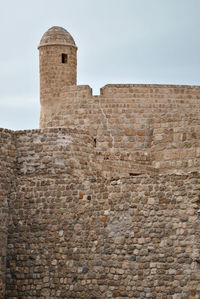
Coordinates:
(119,41)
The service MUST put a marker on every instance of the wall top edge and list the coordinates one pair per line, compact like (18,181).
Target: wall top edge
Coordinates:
(48,129)
(118,88)
(150,85)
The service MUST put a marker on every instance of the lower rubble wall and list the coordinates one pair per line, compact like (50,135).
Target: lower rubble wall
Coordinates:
(134,237)
(7,158)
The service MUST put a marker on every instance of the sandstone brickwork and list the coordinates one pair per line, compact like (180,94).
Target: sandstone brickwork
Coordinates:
(103,201)
(162,122)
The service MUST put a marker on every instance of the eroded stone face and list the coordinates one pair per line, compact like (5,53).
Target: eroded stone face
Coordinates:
(75,230)
(115,244)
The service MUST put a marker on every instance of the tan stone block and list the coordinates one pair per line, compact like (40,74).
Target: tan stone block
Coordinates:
(130,132)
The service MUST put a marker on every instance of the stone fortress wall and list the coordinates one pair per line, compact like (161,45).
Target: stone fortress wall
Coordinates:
(158,123)
(103,201)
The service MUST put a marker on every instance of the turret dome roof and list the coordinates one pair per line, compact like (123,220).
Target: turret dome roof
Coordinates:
(56,36)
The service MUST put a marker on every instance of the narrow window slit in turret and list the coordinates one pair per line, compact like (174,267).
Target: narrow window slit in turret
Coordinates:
(95,142)
(64,58)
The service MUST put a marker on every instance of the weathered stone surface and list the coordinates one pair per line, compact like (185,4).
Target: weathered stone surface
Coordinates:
(125,257)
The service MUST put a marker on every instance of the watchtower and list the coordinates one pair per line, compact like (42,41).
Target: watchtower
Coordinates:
(58,65)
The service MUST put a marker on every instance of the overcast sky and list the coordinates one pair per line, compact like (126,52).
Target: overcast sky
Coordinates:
(119,41)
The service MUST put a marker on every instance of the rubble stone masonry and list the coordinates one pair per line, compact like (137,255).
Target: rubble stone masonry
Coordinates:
(103,201)
(7,159)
